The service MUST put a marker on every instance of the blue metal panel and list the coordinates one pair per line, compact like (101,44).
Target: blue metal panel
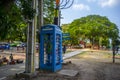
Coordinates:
(41,50)
(54,55)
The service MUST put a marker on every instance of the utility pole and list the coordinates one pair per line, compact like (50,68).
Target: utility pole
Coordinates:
(61,5)
(40,13)
(30,50)
(40,20)
(57,14)
(35,26)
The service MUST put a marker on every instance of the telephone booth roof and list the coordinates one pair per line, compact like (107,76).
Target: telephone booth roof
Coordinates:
(50,27)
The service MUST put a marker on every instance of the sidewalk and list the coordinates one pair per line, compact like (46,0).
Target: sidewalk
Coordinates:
(70,54)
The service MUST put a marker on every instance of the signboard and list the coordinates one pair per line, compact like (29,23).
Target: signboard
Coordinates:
(66,36)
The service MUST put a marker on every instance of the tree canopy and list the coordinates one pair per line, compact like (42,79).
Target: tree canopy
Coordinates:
(95,28)
(13,16)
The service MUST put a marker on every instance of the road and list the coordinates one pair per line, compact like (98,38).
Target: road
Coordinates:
(11,70)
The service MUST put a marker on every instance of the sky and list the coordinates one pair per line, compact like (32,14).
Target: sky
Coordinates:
(82,8)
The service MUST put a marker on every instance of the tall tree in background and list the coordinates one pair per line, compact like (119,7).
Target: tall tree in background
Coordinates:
(95,28)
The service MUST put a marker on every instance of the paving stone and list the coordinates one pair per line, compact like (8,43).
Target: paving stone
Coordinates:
(68,72)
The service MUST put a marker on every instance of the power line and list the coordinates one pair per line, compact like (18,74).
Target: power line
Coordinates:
(65,4)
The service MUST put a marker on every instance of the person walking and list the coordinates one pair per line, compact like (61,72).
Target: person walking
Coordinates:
(117,49)
(64,49)
(11,57)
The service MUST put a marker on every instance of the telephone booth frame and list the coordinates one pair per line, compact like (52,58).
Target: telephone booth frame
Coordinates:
(50,48)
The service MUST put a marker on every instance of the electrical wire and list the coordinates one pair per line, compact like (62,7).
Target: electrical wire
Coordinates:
(61,2)
(66,4)
(69,5)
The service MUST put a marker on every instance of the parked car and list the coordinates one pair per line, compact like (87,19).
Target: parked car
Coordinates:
(17,44)
(4,45)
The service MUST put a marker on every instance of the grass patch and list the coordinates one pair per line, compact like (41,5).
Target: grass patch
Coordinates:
(94,54)
(68,51)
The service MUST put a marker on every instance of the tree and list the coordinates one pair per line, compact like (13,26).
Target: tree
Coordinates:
(95,28)
(12,14)
(10,17)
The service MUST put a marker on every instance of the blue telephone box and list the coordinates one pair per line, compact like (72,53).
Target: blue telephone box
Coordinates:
(51,48)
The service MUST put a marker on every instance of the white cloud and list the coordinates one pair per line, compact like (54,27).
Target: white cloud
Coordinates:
(81,7)
(109,3)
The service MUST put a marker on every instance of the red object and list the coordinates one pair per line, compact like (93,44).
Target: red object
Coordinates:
(57,2)
(12,62)
(81,42)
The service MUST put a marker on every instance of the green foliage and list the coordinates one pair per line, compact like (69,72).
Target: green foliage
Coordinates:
(27,9)
(98,29)
(48,11)
(13,14)
(9,20)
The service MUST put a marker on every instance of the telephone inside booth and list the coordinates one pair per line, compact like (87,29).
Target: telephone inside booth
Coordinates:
(50,48)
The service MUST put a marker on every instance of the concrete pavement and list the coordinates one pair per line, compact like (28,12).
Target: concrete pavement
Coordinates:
(70,54)
(11,70)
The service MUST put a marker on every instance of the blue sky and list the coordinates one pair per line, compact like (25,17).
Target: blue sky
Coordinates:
(82,8)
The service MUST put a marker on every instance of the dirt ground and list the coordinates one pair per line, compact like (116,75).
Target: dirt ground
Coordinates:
(91,65)
(97,65)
